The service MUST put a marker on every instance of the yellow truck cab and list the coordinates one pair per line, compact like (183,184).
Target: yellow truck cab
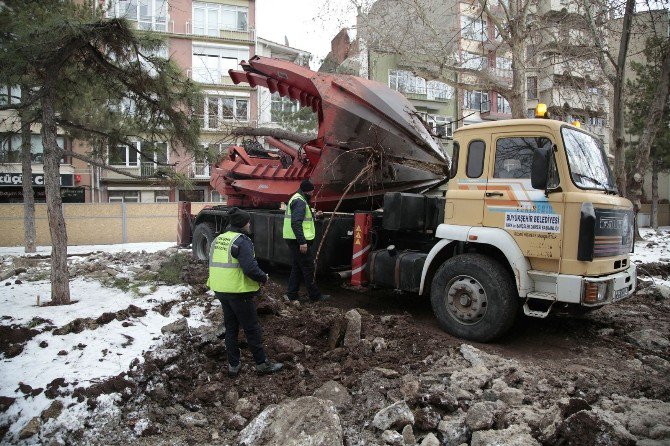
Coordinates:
(531,212)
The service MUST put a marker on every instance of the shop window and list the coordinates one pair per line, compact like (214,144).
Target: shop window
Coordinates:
(124,196)
(161,196)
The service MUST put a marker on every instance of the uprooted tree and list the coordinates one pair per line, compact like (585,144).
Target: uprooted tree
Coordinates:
(98,81)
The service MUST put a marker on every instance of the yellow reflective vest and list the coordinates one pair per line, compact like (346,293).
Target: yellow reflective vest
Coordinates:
(307,224)
(225,272)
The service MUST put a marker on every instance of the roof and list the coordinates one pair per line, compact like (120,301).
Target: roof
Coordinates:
(282,46)
(551,123)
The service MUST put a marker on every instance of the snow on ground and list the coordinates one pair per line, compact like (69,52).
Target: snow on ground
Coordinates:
(654,248)
(82,249)
(93,354)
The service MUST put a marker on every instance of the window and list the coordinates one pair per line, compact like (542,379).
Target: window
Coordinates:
(211,63)
(596,121)
(123,156)
(453,169)
(217,197)
(10,95)
(217,109)
(441,125)
(150,14)
(124,196)
(148,56)
(514,156)
(210,18)
(406,82)
(477,100)
(473,61)
(436,91)
(281,105)
(10,148)
(161,196)
(129,156)
(475,164)
(503,66)
(502,105)
(474,28)
(531,87)
(531,113)
(587,160)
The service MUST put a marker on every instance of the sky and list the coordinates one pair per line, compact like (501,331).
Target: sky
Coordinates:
(308,24)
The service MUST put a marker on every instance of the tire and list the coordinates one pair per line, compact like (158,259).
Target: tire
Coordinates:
(203,236)
(483,302)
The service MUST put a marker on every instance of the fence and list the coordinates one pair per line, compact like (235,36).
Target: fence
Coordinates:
(98,224)
(663,214)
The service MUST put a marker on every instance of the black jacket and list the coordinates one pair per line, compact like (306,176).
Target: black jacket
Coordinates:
(243,250)
(298,212)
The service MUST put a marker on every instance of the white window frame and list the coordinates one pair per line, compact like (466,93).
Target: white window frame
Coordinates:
(436,90)
(214,22)
(127,162)
(503,103)
(152,21)
(484,104)
(215,55)
(123,198)
(406,82)
(220,118)
(161,196)
(281,104)
(474,28)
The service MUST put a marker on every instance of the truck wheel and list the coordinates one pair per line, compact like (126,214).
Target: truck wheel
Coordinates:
(474,297)
(203,236)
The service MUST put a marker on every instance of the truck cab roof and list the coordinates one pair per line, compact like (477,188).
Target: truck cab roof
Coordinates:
(512,123)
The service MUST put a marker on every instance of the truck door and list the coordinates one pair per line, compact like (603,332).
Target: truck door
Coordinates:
(511,203)
(465,202)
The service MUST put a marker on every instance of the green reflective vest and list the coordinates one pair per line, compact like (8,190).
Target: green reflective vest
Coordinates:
(225,272)
(307,224)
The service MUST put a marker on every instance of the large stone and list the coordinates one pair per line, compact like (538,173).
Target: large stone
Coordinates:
(334,392)
(303,421)
(245,408)
(588,428)
(426,418)
(352,335)
(397,416)
(516,435)
(481,416)
(471,379)
(30,429)
(408,435)
(392,437)
(430,440)
(4,275)
(284,344)
(454,430)
(638,415)
(649,338)
(53,411)
(179,326)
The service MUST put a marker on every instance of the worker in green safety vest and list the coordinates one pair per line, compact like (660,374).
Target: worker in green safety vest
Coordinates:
(299,233)
(235,278)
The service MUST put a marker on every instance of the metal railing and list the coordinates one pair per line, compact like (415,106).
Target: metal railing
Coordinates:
(147,169)
(200,170)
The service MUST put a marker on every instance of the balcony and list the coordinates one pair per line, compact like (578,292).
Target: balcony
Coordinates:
(187,29)
(205,76)
(148,169)
(578,99)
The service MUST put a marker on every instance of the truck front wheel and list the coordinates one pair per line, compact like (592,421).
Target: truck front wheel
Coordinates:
(203,236)
(474,297)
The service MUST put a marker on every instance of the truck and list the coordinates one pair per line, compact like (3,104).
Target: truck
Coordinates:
(530,221)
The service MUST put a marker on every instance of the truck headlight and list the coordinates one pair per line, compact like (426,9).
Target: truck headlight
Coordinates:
(594,292)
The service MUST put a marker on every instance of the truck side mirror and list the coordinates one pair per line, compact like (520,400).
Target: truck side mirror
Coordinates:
(540,169)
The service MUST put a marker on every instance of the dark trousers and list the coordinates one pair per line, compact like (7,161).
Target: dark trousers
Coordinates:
(240,311)
(302,269)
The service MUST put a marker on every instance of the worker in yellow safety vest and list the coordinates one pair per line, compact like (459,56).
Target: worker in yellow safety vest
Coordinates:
(235,278)
(299,233)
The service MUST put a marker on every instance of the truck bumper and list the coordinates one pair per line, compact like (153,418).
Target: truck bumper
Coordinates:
(615,287)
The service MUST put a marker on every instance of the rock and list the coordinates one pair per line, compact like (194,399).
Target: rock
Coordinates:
(430,440)
(471,379)
(572,406)
(408,435)
(284,344)
(606,331)
(334,392)
(194,419)
(30,429)
(302,421)
(232,397)
(454,430)
(392,437)
(410,387)
(657,363)
(516,435)
(352,334)
(442,400)
(660,432)
(589,428)
(473,355)
(336,333)
(43,344)
(245,408)
(176,327)
(426,418)
(649,338)
(268,305)
(397,415)
(378,344)
(511,396)
(638,415)
(387,373)
(235,421)
(4,275)
(481,416)
(661,290)
(53,411)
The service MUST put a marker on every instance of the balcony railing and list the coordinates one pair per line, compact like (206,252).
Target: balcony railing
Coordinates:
(147,169)
(199,170)
(187,29)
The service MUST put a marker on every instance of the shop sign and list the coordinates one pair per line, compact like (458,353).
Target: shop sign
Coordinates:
(16,179)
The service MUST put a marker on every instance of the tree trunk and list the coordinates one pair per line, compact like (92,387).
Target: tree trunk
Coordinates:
(654,194)
(517,100)
(300,138)
(617,102)
(29,232)
(651,128)
(60,285)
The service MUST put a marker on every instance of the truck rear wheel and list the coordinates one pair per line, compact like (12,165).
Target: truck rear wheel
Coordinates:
(203,236)
(474,297)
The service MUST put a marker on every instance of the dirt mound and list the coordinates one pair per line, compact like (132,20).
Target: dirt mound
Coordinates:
(13,338)
(80,324)
(654,269)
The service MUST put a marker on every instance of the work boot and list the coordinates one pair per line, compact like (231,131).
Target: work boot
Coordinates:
(234,370)
(321,298)
(268,367)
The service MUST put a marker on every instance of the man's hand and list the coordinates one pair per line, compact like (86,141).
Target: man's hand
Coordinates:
(303,249)
(319,214)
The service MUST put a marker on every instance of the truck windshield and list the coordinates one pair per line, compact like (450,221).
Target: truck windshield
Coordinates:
(587,160)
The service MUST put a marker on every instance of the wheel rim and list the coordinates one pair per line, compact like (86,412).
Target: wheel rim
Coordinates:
(465,300)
